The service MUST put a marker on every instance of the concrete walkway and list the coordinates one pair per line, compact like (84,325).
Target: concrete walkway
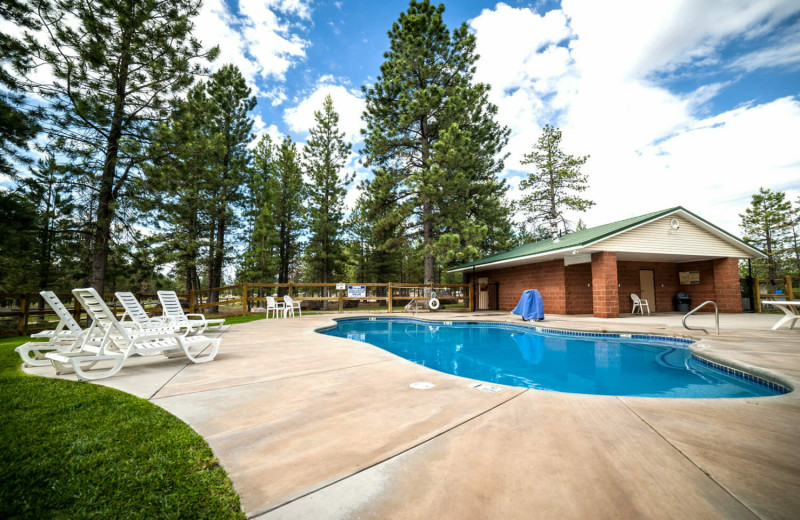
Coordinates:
(311,426)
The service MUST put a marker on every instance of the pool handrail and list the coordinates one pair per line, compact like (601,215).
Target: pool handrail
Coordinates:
(716,316)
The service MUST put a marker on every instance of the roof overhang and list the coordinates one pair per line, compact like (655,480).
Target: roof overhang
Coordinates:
(570,251)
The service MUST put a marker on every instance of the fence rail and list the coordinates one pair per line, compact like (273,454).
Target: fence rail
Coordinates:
(25,313)
(761,290)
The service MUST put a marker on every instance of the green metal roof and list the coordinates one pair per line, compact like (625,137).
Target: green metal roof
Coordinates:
(587,236)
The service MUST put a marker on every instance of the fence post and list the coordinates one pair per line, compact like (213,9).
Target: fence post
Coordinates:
(471,297)
(389,296)
(289,290)
(191,301)
(22,326)
(787,287)
(341,301)
(756,295)
(76,312)
(244,298)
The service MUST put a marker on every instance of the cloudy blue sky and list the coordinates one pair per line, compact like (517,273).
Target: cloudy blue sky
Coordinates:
(693,103)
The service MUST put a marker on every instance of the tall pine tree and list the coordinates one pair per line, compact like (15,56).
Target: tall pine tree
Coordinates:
(324,157)
(115,64)
(231,121)
(765,225)
(260,258)
(289,207)
(176,189)
(555,185)
(433,141)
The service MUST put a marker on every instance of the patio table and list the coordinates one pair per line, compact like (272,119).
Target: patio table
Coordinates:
(788,307)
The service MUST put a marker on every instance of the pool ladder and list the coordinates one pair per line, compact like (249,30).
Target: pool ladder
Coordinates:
(716,316)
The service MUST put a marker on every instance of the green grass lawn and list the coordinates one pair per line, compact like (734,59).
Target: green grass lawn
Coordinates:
(76,450)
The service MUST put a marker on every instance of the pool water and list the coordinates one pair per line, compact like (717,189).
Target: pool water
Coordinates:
(519,356)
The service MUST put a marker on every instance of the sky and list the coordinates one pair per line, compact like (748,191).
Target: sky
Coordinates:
(677,102)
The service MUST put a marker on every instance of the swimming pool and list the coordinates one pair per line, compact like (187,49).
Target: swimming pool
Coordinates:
(575,362)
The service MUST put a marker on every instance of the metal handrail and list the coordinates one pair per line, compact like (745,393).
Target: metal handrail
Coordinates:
(716,316)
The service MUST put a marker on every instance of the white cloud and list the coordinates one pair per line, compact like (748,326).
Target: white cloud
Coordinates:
(347,103)
(259,40)
(650,148)
(260,129)
(785,54)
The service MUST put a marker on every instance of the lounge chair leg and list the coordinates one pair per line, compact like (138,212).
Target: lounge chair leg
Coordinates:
(85,376)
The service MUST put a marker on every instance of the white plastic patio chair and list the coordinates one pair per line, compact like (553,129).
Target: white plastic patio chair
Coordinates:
(640,304)
(291,305)
(63,338)
(275,307)
(195,323)
(119,343)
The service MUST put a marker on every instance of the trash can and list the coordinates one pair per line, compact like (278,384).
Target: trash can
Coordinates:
(682,302)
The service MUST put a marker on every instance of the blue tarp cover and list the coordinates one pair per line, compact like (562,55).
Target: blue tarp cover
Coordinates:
(530,306)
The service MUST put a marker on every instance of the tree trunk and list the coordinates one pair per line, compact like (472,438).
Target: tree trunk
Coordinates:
(427,209)
(105,208)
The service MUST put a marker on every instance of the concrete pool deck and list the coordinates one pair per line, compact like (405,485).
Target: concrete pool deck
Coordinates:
(313,426)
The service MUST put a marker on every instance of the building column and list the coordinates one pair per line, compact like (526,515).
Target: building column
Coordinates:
(605,287)
(727,292)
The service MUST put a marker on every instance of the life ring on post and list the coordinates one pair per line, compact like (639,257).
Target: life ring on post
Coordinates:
(433,303)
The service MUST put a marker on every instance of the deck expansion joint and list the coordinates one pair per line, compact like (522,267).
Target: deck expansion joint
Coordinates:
(294,376)
(269,509)
(689,459)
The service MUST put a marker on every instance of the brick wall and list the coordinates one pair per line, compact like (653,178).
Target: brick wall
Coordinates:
(546,277)
(605,292)
(705,289)
(726,285)
(665,279)
(579,289)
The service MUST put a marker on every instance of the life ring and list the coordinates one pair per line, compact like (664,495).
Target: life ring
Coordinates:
(433,303)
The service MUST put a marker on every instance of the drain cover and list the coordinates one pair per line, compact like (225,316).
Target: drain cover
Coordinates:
(421,385)
(486,388)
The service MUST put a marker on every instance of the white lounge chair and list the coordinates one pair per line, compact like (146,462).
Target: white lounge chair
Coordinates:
(66,333)
(140,321)
(195,323)
(640,304)
(275,307)
(291,305)
(119,343)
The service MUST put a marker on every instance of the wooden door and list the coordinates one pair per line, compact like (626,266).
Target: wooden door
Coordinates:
(648,287)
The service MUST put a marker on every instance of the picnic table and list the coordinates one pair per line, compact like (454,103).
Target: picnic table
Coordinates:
(789,308)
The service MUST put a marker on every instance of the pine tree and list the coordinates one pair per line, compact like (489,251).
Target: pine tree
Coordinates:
(54,228)
(289,208)
(764,225)
(793,229)
(260,258)
(555,184)
(324,156)
(18,124)
(116,64)
(431,136)
(176,189)
(230,119)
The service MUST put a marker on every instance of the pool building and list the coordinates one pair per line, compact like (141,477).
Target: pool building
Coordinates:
(595,271)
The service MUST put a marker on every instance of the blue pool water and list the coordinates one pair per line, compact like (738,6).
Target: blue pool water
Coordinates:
(520,356)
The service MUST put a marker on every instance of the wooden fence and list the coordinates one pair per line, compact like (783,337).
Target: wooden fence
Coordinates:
(25,313)
(761,290)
